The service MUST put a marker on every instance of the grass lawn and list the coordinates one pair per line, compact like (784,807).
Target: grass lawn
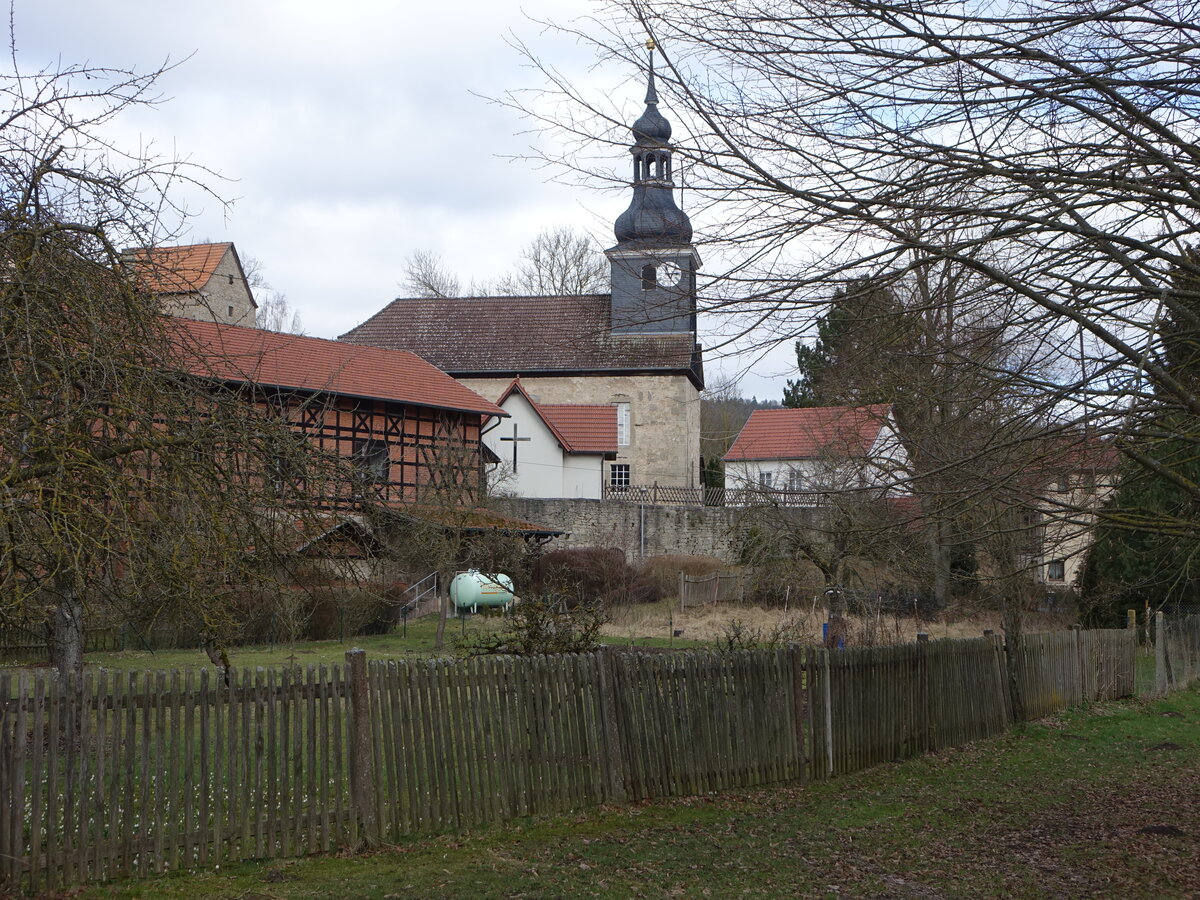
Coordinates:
(419,641)
(1096,802)
(1144,671)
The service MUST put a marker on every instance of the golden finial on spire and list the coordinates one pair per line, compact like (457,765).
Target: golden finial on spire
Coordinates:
(650,45)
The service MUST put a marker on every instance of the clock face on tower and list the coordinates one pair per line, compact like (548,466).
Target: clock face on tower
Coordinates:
(669,274)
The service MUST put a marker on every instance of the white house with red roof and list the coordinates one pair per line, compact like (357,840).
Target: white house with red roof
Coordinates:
(551,450)
(799,452)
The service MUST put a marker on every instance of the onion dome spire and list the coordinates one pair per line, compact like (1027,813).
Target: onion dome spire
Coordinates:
(652,216)
(652,129)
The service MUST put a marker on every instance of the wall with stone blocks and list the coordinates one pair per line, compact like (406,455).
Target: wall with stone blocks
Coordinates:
(641,530)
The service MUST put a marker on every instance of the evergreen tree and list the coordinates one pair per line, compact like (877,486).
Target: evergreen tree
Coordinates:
(863,322)
(1147,542)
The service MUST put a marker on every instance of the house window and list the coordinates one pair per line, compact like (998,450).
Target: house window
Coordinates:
(765,479)
(1064,484)
(1056,570)
(622,424)
(618,476)
(649,278)
(283,469)
(795,480)
(231,312)
(371,457)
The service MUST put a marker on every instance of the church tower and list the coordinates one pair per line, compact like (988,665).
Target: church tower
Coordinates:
(653,263)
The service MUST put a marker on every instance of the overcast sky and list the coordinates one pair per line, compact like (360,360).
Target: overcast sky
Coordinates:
(350,135)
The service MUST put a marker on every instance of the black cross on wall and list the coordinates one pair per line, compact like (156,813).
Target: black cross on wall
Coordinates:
(515,441)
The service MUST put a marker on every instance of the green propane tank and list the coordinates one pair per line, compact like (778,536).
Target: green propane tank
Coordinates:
(472,589)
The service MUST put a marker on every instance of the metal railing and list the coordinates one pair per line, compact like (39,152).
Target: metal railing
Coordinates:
(410,598)
(668,495)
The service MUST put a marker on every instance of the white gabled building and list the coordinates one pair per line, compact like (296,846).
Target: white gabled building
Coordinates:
(818,450)
(550,450)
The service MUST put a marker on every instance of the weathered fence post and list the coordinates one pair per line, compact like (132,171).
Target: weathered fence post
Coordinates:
(828,716)
(361,759)
(1078,629)
(800,688)
(924,740)
(1131,621)
(1162,660)
(610,712)
(8,807)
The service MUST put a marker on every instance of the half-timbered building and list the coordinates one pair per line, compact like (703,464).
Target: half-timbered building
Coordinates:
(411,429)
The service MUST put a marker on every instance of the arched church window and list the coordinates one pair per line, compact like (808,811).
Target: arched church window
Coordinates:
(649,278)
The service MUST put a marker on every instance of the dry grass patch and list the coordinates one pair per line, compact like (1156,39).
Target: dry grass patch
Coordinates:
(801,623)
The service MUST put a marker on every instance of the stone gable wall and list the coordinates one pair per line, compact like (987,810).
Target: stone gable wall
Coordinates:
(225,289)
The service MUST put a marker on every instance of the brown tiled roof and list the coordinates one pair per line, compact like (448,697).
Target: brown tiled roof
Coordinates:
(234,353)
(308,533)
(578,427)
(177,270)
(809,433)
(523,335)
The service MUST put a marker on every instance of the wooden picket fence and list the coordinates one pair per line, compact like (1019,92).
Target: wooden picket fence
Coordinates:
(123,774)
(1176,650)
(717,588)
(1065,668)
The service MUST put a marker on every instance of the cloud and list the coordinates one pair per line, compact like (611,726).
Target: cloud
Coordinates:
(348,135)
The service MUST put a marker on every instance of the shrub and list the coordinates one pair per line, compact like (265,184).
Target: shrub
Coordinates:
(740,635)
(659,575)
(784,582)
(542,625)
(363,609)
(592,575)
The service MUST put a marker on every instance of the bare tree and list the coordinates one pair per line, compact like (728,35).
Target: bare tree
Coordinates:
(274,313)
(1063,133)
(127,484)
(426,275)
(559,261)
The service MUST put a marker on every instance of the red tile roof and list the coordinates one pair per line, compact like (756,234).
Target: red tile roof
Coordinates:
(234,353)
(588,429)
(1084,452)
(809,433)
(579,428)
(524,335)
(177,270)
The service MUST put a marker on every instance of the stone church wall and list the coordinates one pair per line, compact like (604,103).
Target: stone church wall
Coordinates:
(641,530)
